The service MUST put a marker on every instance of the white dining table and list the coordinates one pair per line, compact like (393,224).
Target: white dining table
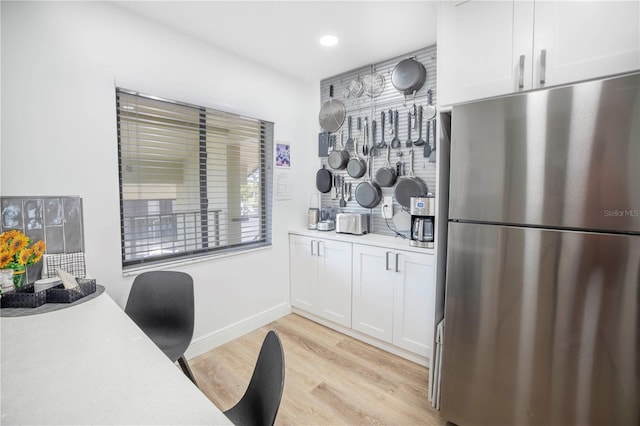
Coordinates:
(90,364)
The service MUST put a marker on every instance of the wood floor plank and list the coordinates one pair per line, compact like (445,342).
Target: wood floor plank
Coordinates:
(330,378)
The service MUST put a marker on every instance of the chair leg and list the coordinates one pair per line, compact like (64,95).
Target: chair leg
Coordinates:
(187,371)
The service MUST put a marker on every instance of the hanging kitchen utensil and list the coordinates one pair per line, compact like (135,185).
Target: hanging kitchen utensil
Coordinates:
(332,113)
(427,146)
(395,142)
(408,77)
(373,84)
(420,141)
(374,145)
(382,143)
(334,187)
(365,147)
(356,88)
(323,180)
(386,176)
(349,145)
(409,186)
(323,144)
(429,110)
(409,142)
(356,167)
(338,158)
(368,193)
(433,156)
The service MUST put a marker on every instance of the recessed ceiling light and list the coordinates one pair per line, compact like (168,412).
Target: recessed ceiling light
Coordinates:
(328,40)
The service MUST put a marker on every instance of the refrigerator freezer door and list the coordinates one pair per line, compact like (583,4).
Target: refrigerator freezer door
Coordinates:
(541,327)
(567,157)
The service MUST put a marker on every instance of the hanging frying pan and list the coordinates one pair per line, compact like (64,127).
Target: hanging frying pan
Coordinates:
(338,158)
(368,193)
(408,76)
(323,180)
(332,113)
(409,186)
(386,176)
(356,167)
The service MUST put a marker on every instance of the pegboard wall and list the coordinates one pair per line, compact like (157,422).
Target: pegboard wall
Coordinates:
(366,106)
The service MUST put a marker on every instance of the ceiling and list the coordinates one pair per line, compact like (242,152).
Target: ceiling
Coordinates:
(283,35)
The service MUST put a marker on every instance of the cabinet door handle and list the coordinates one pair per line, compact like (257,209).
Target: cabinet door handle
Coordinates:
(312,253)
(397,257)
(521,78)
(386,266)
(318,247)
(543,66)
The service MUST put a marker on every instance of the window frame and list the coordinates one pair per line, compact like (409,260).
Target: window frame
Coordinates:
(205,250)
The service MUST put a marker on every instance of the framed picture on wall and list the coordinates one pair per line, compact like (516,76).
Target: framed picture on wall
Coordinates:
(283,155)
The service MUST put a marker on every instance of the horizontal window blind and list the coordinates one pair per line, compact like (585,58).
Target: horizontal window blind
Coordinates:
(193,180)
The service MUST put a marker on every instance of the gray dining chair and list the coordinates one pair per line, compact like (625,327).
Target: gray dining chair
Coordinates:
(260,403)
(162,304)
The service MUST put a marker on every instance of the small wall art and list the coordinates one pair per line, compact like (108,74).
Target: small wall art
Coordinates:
(283,155)
(56,220)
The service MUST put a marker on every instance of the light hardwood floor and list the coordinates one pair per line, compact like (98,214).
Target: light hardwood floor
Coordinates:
(330,378)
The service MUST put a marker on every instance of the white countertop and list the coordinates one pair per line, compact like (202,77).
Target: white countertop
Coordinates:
(90,364)
(394,243)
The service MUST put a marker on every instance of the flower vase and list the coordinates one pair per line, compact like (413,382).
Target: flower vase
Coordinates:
(18,277)
(6,280)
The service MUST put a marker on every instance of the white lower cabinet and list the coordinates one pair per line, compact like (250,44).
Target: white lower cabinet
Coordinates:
(373,292)
(413,303)
(393,297)
(383,293)
(321,277)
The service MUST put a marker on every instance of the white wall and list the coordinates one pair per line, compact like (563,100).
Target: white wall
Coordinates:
(60,65)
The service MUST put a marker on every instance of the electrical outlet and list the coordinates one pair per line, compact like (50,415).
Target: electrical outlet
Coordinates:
(387,208)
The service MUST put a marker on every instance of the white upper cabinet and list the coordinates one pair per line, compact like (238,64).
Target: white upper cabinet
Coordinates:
(584,40)
(491,48)
(479,46)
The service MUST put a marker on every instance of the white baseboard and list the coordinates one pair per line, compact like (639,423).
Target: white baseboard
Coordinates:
(235,330)
(402,353)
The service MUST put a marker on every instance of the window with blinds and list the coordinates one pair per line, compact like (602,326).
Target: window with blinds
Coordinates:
(193,181)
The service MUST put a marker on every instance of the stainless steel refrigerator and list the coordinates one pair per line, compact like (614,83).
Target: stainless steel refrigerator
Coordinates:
(543,265)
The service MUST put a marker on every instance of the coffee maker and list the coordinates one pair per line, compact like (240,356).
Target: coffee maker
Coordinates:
(423,212)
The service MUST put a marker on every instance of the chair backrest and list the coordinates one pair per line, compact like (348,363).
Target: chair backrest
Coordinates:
(264,392)
(162,304)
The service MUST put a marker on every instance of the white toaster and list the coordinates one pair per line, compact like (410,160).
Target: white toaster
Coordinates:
(352,223)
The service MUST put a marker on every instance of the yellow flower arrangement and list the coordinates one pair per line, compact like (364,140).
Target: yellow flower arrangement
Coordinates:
(15,252)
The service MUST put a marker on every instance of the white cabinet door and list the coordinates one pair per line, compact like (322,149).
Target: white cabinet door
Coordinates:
(585,40)
(373,281)
(414,301)
(303,272)
(480,44)
(334,281)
